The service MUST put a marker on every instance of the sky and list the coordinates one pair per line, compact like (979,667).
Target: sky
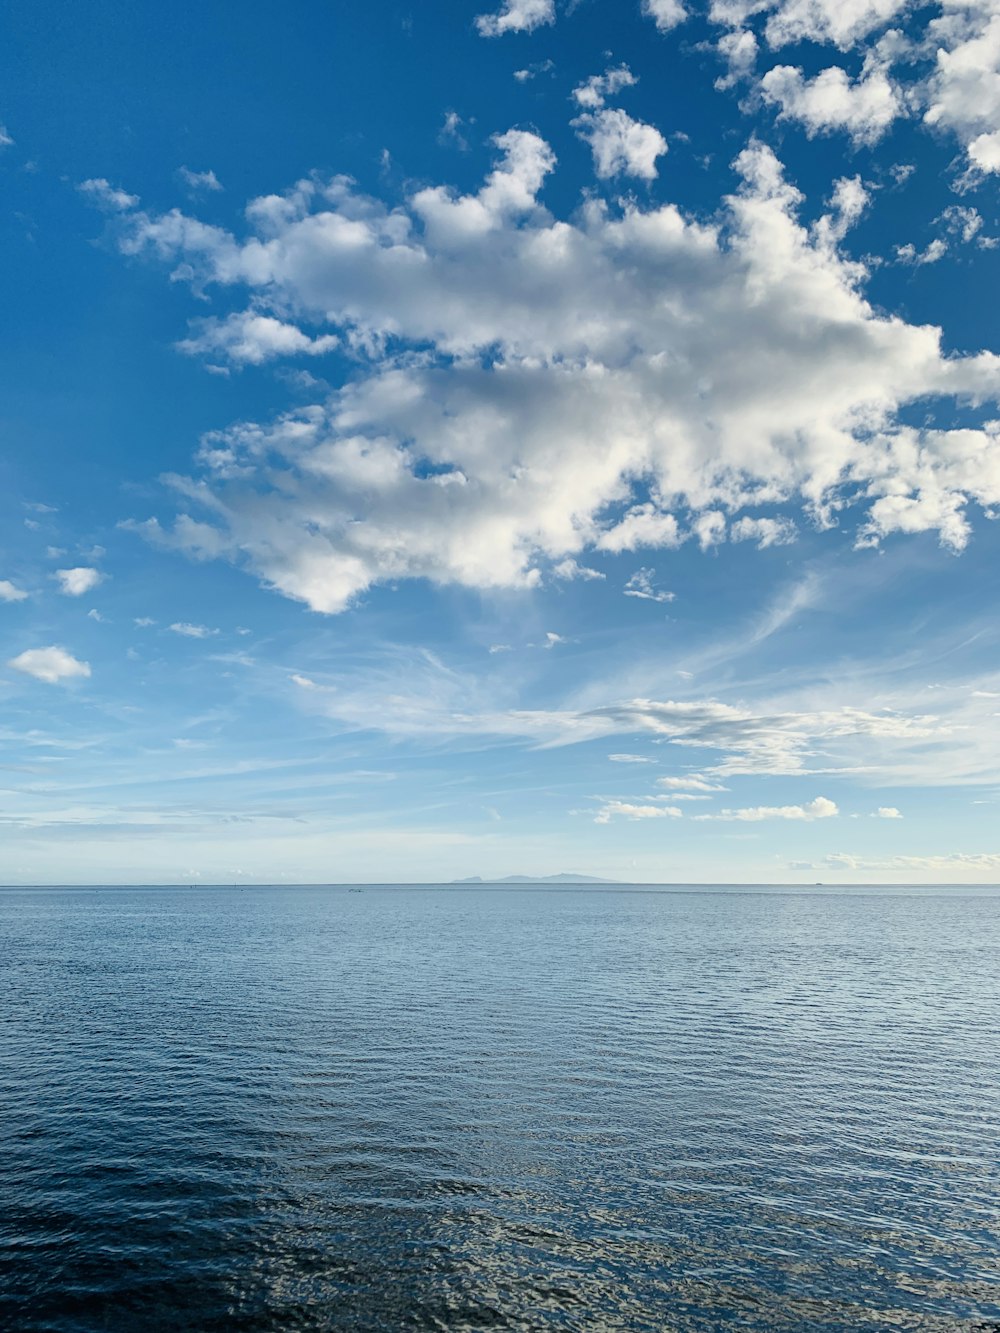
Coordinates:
(443,441)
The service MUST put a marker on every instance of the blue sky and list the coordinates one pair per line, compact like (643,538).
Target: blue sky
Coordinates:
(443,441)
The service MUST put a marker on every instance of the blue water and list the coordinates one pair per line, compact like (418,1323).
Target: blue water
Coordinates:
(420,1108)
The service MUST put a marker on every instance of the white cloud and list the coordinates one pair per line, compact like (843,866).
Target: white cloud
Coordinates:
(190,631)
(887,812)
(840,23)
(641,585)
(569,569)
(831,101)
(552,640)
(643,525)
(764,531)
(10,593)
(739,50)
(960,94)
(963,222)
(143,621)
(249,338)
(820,808)
(591,94)
(626,378)
(666,14)
(694,783)
(5,140)
(50,665)
(75,582)
(848,201)
(963,93)
(197,181)
(517,16)
(710,529)
(533,71)
(947,863)
(630,759)
(107,196)
(623,810)
(413,694)
(621,146)
(451,131)
(909,254)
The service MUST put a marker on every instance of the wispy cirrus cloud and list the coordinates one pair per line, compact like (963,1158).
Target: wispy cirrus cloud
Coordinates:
(187,630)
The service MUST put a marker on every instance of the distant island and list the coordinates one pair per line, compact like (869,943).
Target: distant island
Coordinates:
(564,878)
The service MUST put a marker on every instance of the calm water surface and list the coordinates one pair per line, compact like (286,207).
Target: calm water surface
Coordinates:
(499,1109)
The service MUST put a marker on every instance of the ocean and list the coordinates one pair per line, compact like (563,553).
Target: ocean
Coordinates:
(495,1108)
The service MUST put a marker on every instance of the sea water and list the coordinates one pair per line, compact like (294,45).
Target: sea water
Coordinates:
(492,1108)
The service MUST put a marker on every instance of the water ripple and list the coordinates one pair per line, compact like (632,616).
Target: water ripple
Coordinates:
(474,1109)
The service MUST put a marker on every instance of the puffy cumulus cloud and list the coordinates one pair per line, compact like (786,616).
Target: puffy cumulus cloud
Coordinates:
(820,808)
(249,338)
(848,201)
(864,108)
(75,582)
(621,146)
(643,525)
(764,531)
(959,39)
(527,388)
(623,810)
(50,665)
(739,50)
(592,92)
(666,14)
(9,592)
(709,528)
(887,812)
(517,16)
(963,93)
(840,23)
